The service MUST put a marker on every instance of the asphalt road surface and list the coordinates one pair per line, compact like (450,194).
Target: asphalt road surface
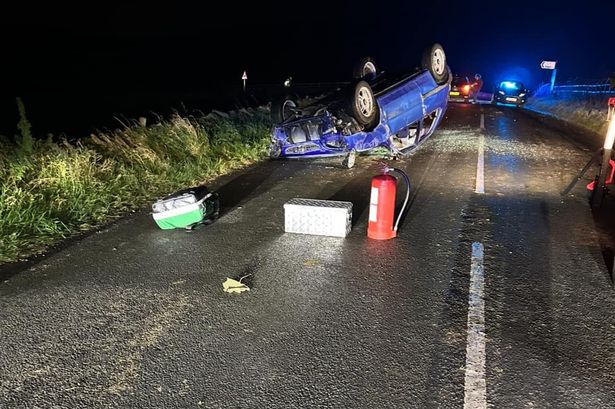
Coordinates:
(133,316)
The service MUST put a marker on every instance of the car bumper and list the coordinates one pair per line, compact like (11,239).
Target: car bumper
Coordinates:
(458,97)
(509,99)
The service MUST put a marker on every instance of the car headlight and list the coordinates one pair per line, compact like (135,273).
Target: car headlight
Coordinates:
(522,94)
(501,92)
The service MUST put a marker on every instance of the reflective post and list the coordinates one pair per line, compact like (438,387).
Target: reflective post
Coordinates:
(553,76)
(600,187)
(244,77)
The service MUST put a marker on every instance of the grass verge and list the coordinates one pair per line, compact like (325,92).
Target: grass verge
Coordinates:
(589,113)
(50,191)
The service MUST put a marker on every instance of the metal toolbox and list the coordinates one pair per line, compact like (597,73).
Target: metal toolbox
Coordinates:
(318,217)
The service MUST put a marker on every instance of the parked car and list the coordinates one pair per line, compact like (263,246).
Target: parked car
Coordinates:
(510,92)
(461,89)
(377,109)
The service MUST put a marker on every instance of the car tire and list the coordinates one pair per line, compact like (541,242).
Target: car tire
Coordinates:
(282,109)
(434,60)
(363,105)
(365,69)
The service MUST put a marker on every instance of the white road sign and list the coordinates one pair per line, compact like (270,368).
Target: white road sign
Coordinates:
(548,65)
(244,76)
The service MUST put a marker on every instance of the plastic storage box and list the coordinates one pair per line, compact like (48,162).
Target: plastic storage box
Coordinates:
(319,217)
(186,209)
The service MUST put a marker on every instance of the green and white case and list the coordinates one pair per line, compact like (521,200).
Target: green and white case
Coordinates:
(185,209)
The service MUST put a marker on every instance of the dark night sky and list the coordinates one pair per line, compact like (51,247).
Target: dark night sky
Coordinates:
(122,50)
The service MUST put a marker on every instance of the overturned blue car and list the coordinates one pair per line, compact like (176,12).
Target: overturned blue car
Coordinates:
(377,109)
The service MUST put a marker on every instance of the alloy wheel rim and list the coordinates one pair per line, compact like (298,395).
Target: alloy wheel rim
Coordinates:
(438,61)
(366,102)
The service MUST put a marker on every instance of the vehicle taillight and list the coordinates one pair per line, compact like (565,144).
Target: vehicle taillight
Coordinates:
(466,89)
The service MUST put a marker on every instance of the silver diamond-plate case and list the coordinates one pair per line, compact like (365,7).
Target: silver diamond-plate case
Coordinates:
(318,217)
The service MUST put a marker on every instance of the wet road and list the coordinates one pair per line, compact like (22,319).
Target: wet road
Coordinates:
(136,317)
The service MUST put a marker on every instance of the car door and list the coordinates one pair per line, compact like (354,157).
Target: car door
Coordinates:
(402,105)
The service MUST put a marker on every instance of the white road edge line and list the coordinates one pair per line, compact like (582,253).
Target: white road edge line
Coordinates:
(475,386)
(480,166)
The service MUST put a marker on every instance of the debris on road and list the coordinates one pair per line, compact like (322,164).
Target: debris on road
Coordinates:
(382,204)
(232,285)
(318,217)
(186,209)
(311,263)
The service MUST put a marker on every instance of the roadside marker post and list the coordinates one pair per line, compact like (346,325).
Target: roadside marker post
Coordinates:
(553,76)
(550,65)
(244,77)
(600,187)
(611,109)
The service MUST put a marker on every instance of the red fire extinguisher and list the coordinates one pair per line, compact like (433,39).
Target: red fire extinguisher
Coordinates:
(382,205)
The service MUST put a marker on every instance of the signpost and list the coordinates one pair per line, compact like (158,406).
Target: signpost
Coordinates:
(550,65)
(244,77)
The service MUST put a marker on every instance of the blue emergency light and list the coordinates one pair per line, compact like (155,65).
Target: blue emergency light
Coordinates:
(510,85)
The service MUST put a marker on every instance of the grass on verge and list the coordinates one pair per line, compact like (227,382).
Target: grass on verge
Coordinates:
(589,113)
(50,191)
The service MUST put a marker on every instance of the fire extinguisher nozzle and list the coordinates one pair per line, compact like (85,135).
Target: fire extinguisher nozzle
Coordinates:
(384,168)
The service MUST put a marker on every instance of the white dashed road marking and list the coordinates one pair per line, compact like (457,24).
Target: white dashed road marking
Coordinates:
(475,387)
(480,166)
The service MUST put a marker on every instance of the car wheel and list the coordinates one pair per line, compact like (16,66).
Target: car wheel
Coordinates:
(283,109)
(363,105)
(434,60)
(365,69)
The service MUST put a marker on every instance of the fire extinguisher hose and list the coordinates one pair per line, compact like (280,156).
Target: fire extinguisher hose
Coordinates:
(408,188)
